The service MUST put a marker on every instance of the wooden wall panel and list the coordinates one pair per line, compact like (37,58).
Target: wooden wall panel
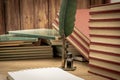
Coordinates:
(27,14)
(98,2)
(30,14)
(83,4)
(54,6)
(41,13)
(12,15)
(2,26)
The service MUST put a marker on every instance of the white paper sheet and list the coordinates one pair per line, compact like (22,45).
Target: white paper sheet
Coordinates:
(43,74)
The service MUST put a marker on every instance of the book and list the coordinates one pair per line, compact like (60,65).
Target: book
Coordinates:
(55,25)
(25,52)
(109,15)
(77,39)
(42,73)
(105,64)
(79,58)
(109,32)
(80,40)
(114,1)
(105,24)
(105,48)
(79,47)
(72,50)
(106,7)
(104,72)
(105,56)
(105,40)
(12,40)
(56,42)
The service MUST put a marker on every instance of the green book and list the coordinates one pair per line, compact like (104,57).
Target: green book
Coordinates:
(10,37)
(36,33)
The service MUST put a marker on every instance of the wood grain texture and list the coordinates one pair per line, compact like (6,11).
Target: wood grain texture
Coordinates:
(54,6)
(83,4)
(30,14)
(2,26)
(98,2)
(41,13)
(12,15)
(27,14)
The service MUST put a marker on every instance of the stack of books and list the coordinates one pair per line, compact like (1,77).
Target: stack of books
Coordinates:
(12,47)
(56,42)
(72,50)
(11,40)
(57,48)
(76,54)
(105,41)
(77,39)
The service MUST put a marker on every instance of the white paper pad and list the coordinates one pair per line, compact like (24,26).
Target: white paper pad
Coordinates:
(43,74)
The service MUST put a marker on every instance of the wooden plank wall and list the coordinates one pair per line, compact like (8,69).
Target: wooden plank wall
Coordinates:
(2,25)
(41,13)
(12,16)
(27,14)
(83,4)
(30,14)
(54,6)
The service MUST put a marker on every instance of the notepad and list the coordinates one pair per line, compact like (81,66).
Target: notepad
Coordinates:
(42,74)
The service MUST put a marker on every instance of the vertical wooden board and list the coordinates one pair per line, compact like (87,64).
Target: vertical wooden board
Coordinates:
(41,13)
(98,2)
(27,14)
(54,7)
(12,15)
(2,26)
(83,4)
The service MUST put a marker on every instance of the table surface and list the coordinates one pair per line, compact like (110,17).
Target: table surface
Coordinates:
(36,33)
